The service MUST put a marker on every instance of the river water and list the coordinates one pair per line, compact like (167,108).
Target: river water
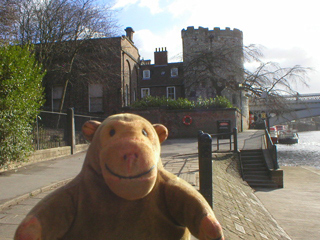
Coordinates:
(305,153)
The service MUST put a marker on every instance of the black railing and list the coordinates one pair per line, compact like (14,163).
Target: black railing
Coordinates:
(228,136)
(272,149)
(51,129)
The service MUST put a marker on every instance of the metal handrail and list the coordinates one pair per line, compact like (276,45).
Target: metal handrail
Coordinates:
(272,149)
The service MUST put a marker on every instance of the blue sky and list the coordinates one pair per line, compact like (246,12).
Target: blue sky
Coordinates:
(289,30)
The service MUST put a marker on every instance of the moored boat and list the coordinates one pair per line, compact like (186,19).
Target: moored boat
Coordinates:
(274,135)
(288,137)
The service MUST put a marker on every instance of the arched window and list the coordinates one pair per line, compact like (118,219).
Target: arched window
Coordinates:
(127,85)
(126,95)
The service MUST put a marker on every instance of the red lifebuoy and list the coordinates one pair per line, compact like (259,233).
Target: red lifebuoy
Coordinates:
(187,120)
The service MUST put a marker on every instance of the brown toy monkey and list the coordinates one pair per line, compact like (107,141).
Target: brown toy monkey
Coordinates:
(122,192)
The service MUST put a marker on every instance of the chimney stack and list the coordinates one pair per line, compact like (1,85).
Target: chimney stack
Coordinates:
(161,56)
(130,33)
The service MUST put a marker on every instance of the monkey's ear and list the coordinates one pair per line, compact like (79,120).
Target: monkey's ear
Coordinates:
(162,132)
(89,128)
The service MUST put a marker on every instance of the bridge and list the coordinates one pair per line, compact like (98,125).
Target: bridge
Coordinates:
(297,107)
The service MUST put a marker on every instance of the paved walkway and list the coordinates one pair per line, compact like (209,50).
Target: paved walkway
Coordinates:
(238,209)
(296,207)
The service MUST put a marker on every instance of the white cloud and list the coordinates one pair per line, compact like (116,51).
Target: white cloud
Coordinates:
(288,29)
(180,7)
(147,42)
(124,3)
(288,57)
(153,5)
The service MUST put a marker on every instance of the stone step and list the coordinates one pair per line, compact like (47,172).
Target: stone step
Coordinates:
(255,172)
(251,155)
(255,168)
(253,164)
(257,177)
(248,158)
(251,152)
(261,184)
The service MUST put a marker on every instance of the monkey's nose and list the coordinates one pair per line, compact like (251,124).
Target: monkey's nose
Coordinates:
(130,159)
(130,156)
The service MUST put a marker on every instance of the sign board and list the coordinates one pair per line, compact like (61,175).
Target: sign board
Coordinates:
(224,126)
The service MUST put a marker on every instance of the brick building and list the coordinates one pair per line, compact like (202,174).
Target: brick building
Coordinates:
(108,74)
(161,78)
(180,80)
(104,77)
(208,55)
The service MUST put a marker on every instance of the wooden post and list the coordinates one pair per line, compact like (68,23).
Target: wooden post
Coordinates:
(71,130)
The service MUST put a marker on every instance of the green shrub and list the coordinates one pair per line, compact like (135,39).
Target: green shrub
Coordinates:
(181,103)
(21,96)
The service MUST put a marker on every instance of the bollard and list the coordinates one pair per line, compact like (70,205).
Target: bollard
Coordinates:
(199,136)
(205,166)
(235,140)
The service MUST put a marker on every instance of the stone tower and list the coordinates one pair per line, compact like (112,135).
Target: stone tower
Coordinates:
(212,56)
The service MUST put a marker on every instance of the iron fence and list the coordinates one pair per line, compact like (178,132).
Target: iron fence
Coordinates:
(50,129)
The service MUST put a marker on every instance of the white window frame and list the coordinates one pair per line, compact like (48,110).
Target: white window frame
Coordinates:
(169,94)
(174,72)
(56,97)
(96,95)
(146,74)
(142,92)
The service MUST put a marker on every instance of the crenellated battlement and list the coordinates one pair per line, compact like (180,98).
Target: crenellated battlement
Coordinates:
(216,32)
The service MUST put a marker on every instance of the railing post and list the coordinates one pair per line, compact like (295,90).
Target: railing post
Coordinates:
(275,157)
(38,137)
(205,166)
(235,140)
(71,130)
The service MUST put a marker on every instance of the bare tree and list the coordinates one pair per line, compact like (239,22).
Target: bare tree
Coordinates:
(60,28)
(8,17)
(270,83)
(224,68)
(214,69)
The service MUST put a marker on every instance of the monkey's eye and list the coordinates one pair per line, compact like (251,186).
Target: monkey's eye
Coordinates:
(112,132)
(144,132)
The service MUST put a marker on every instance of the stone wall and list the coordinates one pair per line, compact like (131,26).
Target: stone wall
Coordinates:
(44,155)
(205,120)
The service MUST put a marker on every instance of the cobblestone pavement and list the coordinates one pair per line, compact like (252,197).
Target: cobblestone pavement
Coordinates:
(240,213)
